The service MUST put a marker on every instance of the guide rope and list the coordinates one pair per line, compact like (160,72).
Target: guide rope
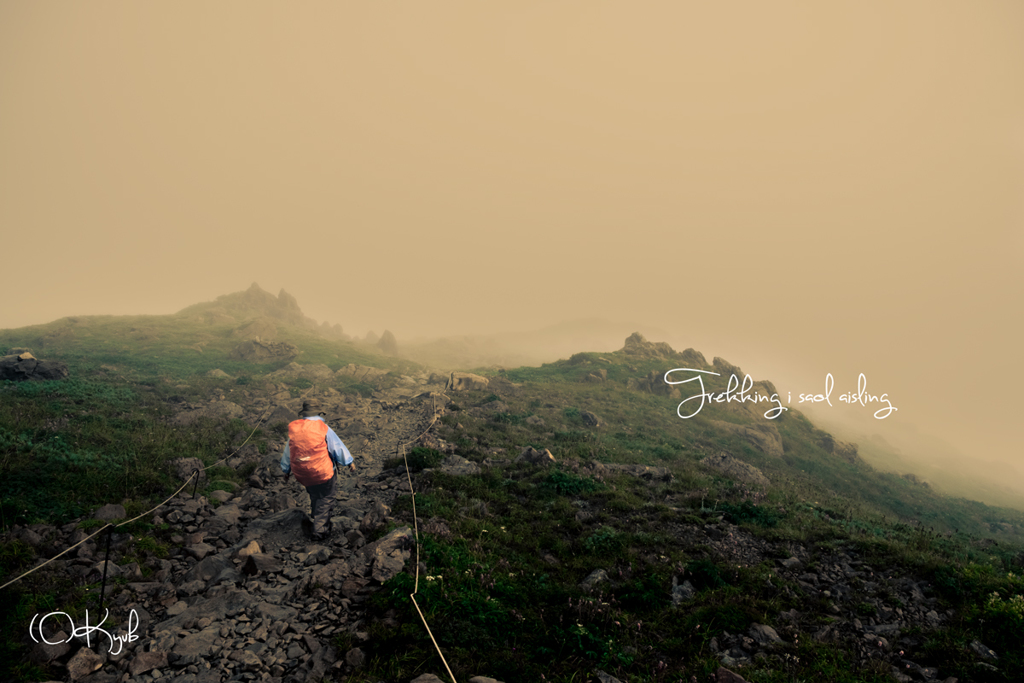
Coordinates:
(112,526)
(416,528)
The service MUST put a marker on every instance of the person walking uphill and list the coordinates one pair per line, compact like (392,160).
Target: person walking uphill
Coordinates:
(311,453)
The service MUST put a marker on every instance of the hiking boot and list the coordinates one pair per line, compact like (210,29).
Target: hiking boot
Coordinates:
(326,533)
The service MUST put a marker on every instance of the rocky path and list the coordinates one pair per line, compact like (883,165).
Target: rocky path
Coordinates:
(244,594)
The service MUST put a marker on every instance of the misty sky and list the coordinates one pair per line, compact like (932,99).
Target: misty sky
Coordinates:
(800,187)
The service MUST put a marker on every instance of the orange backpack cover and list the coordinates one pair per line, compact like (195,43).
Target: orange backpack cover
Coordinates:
(307,450)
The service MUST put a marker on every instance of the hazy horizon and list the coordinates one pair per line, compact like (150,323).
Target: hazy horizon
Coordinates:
(801,189)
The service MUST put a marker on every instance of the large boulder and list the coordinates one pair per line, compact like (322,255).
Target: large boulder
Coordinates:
(83,663)
(284,413)
(361,373)
(314,373)
(184,468)
(274,530)
(390,553)
(735,469)
(26,366)
(259,351)
(536,456)
(466,381)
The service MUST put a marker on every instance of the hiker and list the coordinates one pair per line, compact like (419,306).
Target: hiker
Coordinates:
(311,453)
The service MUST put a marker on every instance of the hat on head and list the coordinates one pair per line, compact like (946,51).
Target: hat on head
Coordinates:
(311,408)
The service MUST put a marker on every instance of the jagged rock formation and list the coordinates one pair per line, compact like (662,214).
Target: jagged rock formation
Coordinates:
(725,368)
(253,303)
(388,344)
(24,365)
(846,451)
(637,345)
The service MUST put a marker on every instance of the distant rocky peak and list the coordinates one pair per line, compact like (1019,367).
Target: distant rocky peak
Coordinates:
(287,300)
(253,303)
(637,345)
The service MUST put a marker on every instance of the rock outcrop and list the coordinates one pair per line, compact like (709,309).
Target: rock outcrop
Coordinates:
(253,303)
(735,469)
(763,437)
(654,383)
(636,345)
(388,344)
(842,449)
(362,373)
(536,456)
(466,381)
(645,472)
(259,351)
(315,373)
(25,366)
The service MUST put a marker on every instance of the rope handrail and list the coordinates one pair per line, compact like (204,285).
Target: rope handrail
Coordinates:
(109,525)
(416,528)
(96,533)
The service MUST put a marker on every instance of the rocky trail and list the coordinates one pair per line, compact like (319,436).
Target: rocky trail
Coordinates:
(244,594)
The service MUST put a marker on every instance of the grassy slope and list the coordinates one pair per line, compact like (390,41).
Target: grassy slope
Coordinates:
(69,446)
(105,431)
(173,346)
(508,611)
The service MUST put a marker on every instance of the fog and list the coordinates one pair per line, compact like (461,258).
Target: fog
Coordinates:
(800,188)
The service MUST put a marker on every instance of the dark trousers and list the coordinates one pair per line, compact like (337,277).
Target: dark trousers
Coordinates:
(321,502)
